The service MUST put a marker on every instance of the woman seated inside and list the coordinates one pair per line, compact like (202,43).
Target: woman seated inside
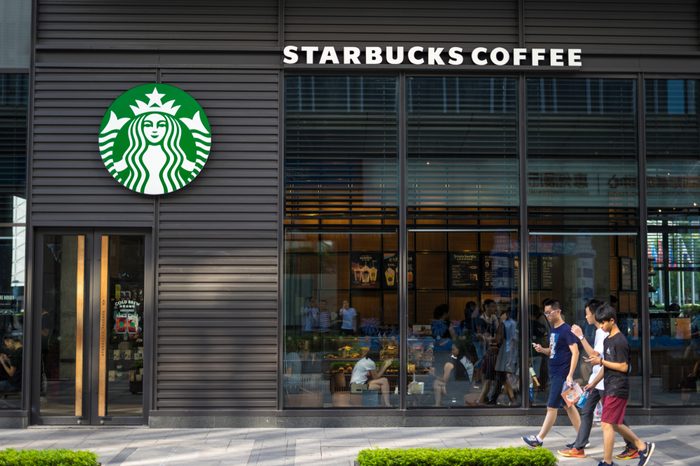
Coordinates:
(365,376)
(454,383)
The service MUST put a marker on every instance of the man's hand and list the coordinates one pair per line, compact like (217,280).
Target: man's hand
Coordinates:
(570,380)
(595,360)
(538,347)
(576,330)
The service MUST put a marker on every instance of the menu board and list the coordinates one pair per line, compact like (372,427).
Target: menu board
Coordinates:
(464,270)
(364,270)
(533,266)
(546,266)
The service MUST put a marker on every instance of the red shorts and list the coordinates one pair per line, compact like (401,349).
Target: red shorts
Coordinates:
(613,410)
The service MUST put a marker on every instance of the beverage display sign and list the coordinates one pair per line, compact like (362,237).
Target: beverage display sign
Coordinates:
(364,270)
(154,139)
(464,270)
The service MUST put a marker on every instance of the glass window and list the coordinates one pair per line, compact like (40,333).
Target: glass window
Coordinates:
(573,269)
(674,306)
(341,286)
(13,145)
(12,276)
(15,33)
(672,135)
(462,145)
(341,142)
(341,320)
(463,334)
(581,143)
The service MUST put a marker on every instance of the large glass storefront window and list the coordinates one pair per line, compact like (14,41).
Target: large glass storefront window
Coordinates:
(463,253)
(341,280)
(574,268)
(673,242)
(13,209)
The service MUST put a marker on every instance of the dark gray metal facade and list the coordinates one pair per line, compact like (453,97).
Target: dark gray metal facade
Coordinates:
(217,243)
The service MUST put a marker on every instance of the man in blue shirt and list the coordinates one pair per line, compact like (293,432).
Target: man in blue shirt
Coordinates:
(563,357)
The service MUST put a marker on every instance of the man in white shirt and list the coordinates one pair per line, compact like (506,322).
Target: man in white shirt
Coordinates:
(365,372)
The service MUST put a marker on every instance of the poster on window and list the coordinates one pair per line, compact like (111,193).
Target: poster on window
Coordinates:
(364,270)
(464,270)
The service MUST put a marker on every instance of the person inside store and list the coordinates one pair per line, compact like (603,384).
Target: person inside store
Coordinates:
(443,334)
(455,379)
(507,359)
(486,328)
(348,316)
(365,376)
(292,368)
(10,365)
(310,315)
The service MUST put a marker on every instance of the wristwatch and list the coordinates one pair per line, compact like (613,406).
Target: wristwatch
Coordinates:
(581,338)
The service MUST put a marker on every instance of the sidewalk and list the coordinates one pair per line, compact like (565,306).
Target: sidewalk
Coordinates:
(676,445)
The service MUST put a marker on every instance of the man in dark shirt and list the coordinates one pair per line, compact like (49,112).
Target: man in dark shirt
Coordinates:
(563,358)
(615,362)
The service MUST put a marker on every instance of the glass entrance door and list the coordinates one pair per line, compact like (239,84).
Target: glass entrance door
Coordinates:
(92,301)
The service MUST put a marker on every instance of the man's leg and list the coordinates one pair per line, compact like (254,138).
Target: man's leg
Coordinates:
(549,421)
(587,413)
(630,437)
(608,441)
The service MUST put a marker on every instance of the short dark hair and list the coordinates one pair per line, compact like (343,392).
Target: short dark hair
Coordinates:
(441,310)
(553,303)
(593,304)
(605,312)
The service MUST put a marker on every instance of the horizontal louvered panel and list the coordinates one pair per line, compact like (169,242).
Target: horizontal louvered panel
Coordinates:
(70,168)
(171,24)
(218,253)
(623,26)
(13,141)
(341,145)
(405,23)
(462,142)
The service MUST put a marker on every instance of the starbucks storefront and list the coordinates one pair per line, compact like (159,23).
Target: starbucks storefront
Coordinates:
(221,215)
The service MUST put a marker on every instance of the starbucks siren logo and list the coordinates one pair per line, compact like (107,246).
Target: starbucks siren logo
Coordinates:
(151,146)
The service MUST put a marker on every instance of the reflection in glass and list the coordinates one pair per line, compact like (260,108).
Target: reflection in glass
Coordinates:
(463,332)
(674,306)
(341,320)
(125,326)
(62,329)
(574,269)
(12,248)
(581,142)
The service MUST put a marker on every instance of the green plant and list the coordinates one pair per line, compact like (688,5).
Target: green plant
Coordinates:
(12,457)
(520,456)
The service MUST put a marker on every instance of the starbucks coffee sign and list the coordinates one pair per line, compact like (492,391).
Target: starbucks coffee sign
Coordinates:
(154,139)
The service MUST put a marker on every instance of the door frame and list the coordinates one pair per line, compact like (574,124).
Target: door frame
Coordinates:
(92,327)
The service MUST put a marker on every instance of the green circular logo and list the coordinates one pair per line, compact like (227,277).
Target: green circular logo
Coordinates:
(155,139)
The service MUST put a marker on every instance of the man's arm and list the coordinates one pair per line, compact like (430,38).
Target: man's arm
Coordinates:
(576,330)
(616,366)
(541,349)
(595,381)
(574,362)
